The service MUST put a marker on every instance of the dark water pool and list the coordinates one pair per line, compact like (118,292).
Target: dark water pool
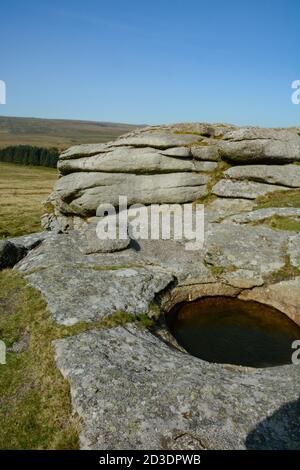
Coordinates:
(232,331)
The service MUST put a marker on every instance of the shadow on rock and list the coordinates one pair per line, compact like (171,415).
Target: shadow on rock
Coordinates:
(280,431)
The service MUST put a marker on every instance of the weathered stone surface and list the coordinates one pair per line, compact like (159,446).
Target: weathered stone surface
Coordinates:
(10,254)
(294,251)
(284,175)
(130,160)
(284,295)
(206,166)
(243,279)
(256,133)
(78,151)
(258,249)
(133,391)
(14,249)
(30,241)
(186,266)
(85,288)
(83,192)
(251,145)
(85,294)
(190,292)
(220,208)
(88,242)
(158,139)
(181,152)
(244,189)
(205,153)
(263,214)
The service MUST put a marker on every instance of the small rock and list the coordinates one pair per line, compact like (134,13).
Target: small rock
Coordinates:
(21,345)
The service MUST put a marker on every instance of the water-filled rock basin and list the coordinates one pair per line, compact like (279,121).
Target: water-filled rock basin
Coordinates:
(232,331)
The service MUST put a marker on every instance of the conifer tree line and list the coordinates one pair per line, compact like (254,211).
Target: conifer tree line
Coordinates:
(29,155)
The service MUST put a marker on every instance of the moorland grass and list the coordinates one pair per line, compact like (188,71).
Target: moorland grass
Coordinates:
(22,190)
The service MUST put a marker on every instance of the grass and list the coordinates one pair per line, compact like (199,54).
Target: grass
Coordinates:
(289,198)
(186,131)
(35,408)
(22,190)
(35,411)
(216,176)
(288,271)
(282,223)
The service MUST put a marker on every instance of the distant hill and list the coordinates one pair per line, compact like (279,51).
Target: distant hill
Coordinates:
(58,133)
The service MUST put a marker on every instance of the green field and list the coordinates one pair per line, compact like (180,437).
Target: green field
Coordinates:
(22,190)
(60,133)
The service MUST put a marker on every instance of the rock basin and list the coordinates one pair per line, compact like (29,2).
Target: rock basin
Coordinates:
(233,331)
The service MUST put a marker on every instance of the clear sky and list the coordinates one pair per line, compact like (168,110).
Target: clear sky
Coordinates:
(154,61)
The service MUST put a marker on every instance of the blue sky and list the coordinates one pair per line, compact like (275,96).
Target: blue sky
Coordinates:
(151,61)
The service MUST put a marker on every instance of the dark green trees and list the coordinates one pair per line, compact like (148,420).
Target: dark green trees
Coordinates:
(28,155)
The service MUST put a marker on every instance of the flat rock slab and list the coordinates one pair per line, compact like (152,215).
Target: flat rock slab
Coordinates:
(82,193)
(244,189)
(263,214)
(221,208)
(30,241)
(262,150)
(284,175)
(259,249)
(83,294)
(133,391)
(158,139)
(133,160)
(77,151)
(82,287)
